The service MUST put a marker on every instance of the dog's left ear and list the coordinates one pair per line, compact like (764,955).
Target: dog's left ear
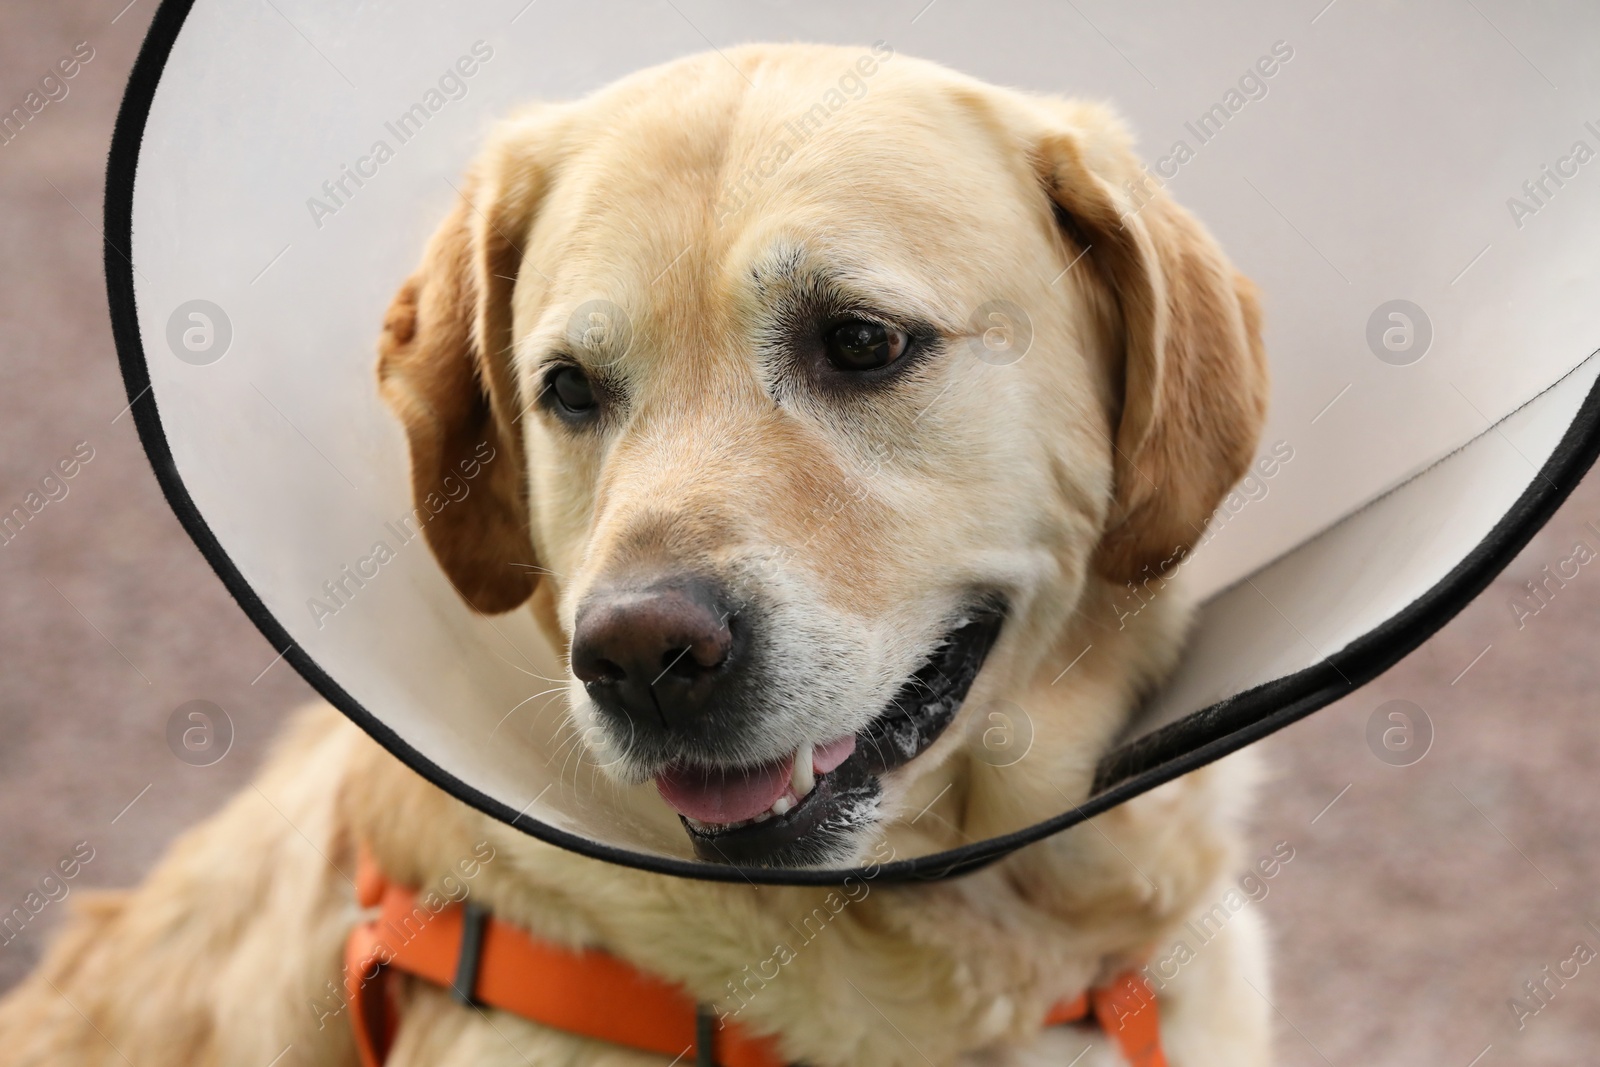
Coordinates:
(1193,371)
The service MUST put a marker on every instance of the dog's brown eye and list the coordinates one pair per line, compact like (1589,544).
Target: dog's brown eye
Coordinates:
(572,391)
(860,345)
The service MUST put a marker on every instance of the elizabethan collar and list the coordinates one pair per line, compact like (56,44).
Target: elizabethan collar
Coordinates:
(1412,191)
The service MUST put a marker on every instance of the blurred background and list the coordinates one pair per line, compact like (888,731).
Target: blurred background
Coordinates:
(1422,894)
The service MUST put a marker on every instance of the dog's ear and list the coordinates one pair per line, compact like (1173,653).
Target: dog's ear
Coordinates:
(444,368)
(1193,372)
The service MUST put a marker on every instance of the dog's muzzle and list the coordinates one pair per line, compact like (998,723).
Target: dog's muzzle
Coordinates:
(671,664)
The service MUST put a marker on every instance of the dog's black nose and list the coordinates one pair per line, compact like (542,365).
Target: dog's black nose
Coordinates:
(656,654)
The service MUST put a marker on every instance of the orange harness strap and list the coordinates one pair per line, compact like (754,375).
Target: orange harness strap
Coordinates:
(1125,1011)
(490,963)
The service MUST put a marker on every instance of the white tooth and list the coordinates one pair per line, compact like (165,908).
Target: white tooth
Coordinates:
(803,776)
(764,816)
(782,805)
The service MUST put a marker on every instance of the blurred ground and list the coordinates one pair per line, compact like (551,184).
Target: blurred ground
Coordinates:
(1414,909)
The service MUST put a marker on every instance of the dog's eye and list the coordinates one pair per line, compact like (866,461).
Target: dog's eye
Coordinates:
(571,391)
(859,345)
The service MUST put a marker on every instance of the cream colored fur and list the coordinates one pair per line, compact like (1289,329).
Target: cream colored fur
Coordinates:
(1092,463)
(225,954)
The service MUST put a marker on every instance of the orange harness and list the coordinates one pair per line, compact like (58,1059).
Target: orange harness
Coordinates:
(489,963)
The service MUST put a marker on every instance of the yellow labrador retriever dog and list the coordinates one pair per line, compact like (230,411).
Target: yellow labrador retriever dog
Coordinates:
(817,503)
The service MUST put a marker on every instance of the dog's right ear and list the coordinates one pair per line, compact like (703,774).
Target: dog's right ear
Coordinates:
(445,370)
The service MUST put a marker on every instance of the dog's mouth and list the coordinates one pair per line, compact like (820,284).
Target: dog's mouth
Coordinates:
(798,810)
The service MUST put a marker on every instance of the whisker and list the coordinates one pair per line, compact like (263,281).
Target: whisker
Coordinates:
(565,723)
(519,704)
(531,674)
(565,746)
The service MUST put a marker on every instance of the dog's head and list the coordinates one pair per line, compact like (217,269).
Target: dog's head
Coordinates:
(812,387)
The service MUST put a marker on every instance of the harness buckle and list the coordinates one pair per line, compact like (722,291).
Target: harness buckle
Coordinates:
(474,921)
(705,1036)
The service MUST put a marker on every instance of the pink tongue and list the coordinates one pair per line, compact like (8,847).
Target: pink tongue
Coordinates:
(715,795)
(826,757)
(724,796)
